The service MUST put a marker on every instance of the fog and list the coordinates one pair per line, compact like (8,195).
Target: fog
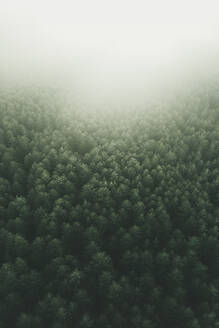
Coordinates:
(108,51)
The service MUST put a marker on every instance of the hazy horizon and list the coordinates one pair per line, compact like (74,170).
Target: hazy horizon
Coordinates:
(117,51)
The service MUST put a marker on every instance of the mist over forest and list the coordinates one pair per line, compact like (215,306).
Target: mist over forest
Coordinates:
(109,164)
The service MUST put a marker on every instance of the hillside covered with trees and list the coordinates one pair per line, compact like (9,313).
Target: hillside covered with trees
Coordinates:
(109,220)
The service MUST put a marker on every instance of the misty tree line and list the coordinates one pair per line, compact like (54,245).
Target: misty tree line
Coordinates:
(109,220)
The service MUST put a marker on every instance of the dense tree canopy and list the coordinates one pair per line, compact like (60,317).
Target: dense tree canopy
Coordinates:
(109,219)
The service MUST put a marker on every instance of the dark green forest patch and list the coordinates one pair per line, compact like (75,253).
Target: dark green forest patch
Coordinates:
(109,220)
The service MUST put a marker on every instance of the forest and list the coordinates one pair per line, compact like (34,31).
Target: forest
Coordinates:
(109,219)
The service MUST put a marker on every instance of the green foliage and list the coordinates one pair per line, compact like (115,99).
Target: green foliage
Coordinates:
(109,219)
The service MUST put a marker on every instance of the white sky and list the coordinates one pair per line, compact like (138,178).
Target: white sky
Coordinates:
(105,43)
